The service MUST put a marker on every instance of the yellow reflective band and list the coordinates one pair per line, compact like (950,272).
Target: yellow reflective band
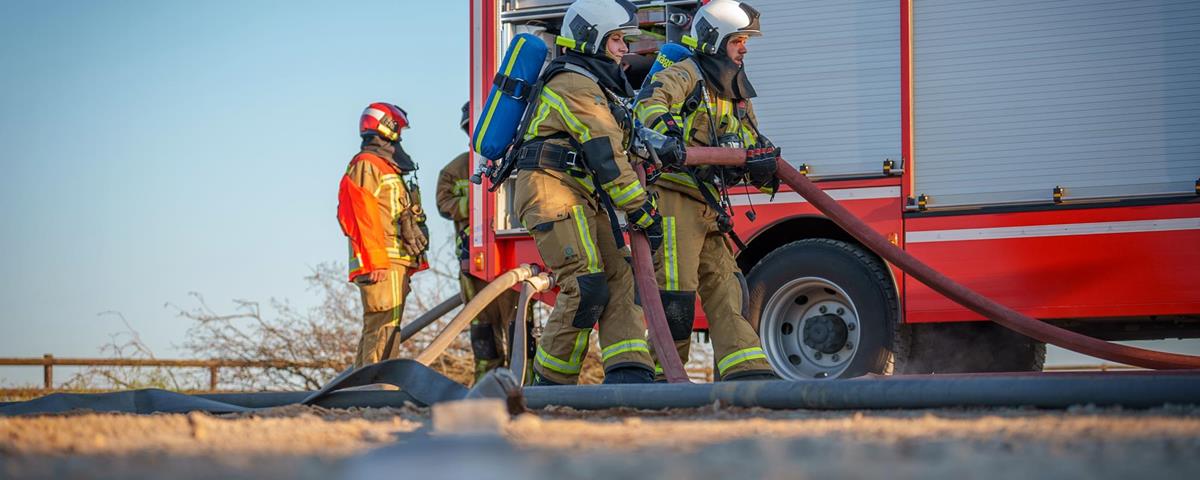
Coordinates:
(645,112)
(670,254)
(548,361)
(581,340)
(623,196)
(743,355)
(658,369)
(568,367)
(543,111)
(394,276)
(679,178)
(585,239)
(586,183)
(581,131)
(487,118)
(635,345)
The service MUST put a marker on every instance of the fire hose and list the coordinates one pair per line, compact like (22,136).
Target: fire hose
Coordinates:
(472,309)
(533,285)
(942,284)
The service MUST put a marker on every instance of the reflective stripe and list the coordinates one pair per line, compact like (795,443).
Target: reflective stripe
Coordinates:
(487,119)
(585,238)
(646,112)
(394,276)
(623,196)
(398,253)
(581,131)
(635,345)
(586,182)
(571,367)
(581,340)
(680,178)
(670,254)
(460,190)
(643,220)
(543,111)
(743,355)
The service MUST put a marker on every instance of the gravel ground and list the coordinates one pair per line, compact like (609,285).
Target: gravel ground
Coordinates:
(307,442)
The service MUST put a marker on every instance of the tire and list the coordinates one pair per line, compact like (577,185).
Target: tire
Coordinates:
(969,347)
(824,309)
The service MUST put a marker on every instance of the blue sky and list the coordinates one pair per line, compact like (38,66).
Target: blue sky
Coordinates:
(155,148)
(151,149)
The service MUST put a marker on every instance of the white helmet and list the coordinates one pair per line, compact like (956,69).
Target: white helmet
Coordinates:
(589,22)
(718,20)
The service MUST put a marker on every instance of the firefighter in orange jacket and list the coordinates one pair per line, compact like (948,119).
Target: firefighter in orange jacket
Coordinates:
(488,329)
(384,225)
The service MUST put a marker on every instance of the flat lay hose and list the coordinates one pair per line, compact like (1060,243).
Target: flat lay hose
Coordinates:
(472,309)
(647,289)
(960,294)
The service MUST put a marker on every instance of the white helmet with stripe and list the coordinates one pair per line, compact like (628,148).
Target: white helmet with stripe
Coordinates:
(719,19)
(589,22)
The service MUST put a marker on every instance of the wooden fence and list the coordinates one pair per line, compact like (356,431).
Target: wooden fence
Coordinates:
(48,362)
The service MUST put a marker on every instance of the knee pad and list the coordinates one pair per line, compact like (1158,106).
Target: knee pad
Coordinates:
(680,309)
(483,341)
(593,297)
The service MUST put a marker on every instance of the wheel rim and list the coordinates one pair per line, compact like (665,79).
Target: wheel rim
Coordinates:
(810,329)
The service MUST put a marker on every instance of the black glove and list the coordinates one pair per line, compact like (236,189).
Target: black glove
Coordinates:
(761,166)
(672,154)
(666,125)
(648,220)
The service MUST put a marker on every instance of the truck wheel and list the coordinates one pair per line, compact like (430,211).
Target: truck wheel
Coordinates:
(968,347)
(824,309)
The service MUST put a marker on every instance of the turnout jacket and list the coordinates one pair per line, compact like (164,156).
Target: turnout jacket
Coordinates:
(371,199)
(676,91)
(575,105)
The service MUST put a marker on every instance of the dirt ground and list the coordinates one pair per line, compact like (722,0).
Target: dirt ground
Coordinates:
(315,443)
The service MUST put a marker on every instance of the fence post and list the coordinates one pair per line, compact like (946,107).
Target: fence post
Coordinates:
(212,377)
(48,371)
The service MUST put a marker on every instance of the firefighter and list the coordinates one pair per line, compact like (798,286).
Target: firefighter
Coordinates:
(382,218)
(705,101)
(572,168)
(487,331)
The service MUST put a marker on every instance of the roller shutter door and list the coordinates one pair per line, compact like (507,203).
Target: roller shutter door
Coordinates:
(1014,98)
(828,78)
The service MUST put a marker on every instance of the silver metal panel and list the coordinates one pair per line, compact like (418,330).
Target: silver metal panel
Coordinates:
(1013,98)
(828,78)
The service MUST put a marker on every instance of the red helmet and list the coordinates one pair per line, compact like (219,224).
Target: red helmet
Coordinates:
(383,119)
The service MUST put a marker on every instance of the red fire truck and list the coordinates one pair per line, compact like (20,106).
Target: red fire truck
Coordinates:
(1043,153)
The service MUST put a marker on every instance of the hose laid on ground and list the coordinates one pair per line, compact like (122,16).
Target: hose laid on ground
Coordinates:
(960,294)
(647,289)
(482,299)
(438,311)
(517,361)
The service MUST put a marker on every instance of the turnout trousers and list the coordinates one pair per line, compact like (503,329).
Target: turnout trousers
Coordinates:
(383,307)
(595,279)
(696,258)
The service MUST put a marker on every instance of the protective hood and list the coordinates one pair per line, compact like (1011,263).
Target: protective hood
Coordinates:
(389,151)
(725,78)
(608,73)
